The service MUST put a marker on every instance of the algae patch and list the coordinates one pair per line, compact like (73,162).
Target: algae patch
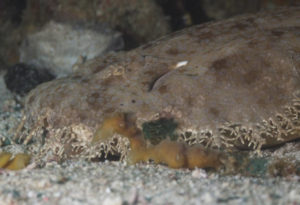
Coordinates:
(158,130)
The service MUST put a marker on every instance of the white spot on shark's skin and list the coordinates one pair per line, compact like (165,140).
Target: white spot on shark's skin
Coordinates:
(180,64)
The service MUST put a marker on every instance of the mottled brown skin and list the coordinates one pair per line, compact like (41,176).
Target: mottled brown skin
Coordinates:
(228,81)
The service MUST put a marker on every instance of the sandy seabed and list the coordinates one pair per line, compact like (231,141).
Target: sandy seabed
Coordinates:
(115,183)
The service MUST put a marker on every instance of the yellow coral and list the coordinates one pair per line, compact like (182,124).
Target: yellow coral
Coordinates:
(4,159)
(114,124)
(174,154)
(18,162)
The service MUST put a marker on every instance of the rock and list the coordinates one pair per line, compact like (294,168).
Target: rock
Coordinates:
(10,19)
(138,21)
(6,97)
(59,46)
(183,13)
(232,84)
(22,78)
(219,9)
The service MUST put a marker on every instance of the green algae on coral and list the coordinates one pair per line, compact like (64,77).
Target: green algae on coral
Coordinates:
(158,130)
(257,166)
